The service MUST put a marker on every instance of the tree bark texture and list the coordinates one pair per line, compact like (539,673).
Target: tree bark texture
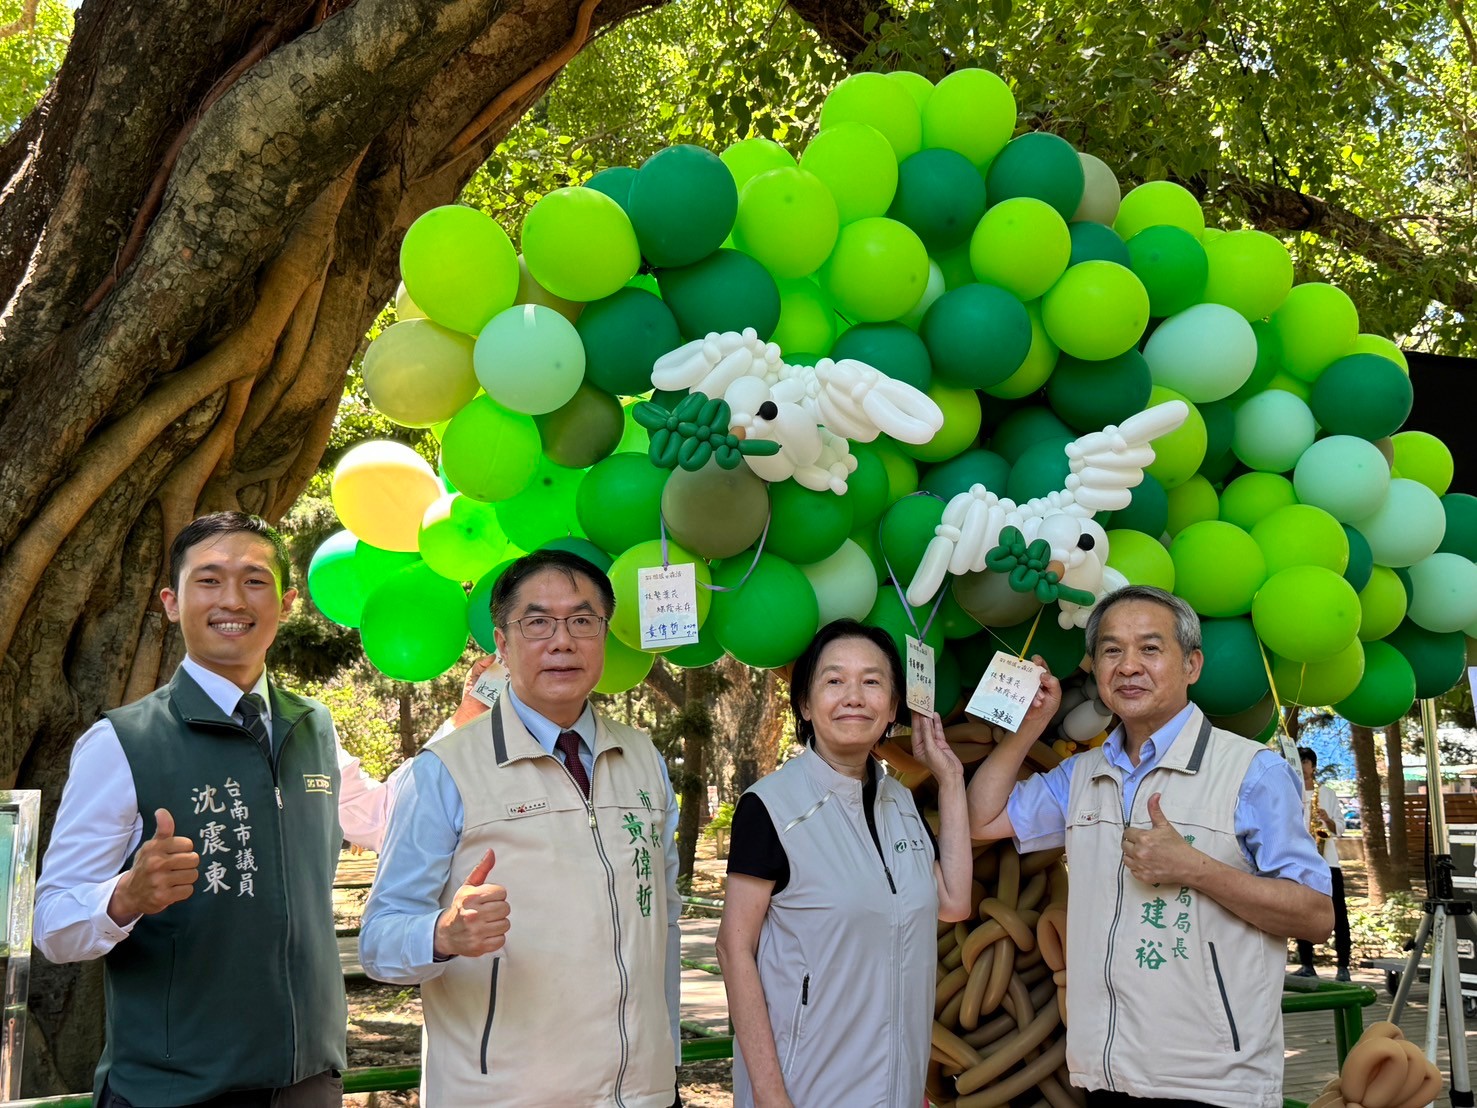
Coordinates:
(197,226)
(1399,847)
(1382,880)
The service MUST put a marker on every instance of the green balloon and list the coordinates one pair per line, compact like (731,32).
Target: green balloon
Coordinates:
(1218,568)
(1022,245)
(726,291)
(907,529)
(768,619)
(460,537)
(902,471)
(1306,613)
(1460,536)
(953,620)
(1141,559)
(584,430)
(1316,324)
(1155,203)
(1317,683)
(1248,271)
(941,196)
(1178,454)
(1258,723)
(1252,497)
(1097,310)
(961,426)
(1091,395)
(1438,660)
(1344,475)
(867,487)
(787,219)
(479,607)
(748,158)
(1171,264)
(889,347)
(1233,677)
(845,583)
(623,335)
(1272,431)
(700,654)
(958,475)
(1385,692)
(977,336)
(948,685)
(857,164)
(991,602)
(1147,511)
(1363,395)
(919,87)
(1382,603)
(619,503)
(459,267)
(625,667)
(936,287)
(625,573)
(1443,592)
(345,570)
(1361,559)
(545,509)
(615,183)
(1101,193)
(878,271)
(889,614)
(1041,165)
(807,321)
(1421,456)
(1025,427)
(1220,429)
(1408,525)
(806,526)
(488,452)
(584,548)
(579,244)
(1302,535)
(418,373)
(1097,242)
(1042,469)
(972,112)
(530,359)
(1195,501)
(682,205)
(1061,648)
(415,624)
(716,512)
(1268,356)
(876,99)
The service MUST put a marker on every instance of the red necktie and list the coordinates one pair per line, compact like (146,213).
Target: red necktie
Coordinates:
(568,744)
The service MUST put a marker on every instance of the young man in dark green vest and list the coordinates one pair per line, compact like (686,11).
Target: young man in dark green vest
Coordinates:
(195,850)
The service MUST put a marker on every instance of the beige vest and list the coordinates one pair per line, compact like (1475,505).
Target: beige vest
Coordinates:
(1171,995)
(848,951)
(573,1012)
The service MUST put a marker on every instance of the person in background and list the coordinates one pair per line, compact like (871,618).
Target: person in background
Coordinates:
(835,886)
(1321,812)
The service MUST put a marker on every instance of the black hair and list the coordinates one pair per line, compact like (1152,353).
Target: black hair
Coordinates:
(804,670)
(1308,754)
(505,592)
(228,523)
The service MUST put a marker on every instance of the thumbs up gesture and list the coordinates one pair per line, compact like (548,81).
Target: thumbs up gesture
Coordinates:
(164,872)
(1158,854)
(477,921)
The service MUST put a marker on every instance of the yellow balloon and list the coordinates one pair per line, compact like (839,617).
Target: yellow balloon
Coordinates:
(380,492)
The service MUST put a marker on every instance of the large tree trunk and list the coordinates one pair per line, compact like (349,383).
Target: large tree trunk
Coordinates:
(197,226)
(1382,880)
(1399,848)
(692,784)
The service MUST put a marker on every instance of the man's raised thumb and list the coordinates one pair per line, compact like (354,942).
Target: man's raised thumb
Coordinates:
(481,870)
(1156,813)
(163,824)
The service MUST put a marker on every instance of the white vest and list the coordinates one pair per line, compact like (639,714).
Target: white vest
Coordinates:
(848,950)
(1169,994)
(573,1012)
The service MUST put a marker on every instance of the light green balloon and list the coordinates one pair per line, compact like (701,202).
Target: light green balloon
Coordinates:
(1101,193)
(1192,502)
(1250,272)
(1178,454)
(1141,559)
(845,583)
(1382,604)
(1306,613)
(1316,684)
(1344,475)
(1421,456)
(530,359)
(749,157)
(544,511)
(857,165)
(460,538)
(579,244)
(1316,325)
(877,272)
(1273,429)
(624,574)
(971,111)
(919,87)
(1443,591)
(1023,246)
(876,100)
(1041,361)
(1366,343)
(1096,311)
(1218,568)
(1156,203)
(1254,496)
(625,667)
(1206,352)
(1408,527)
(459,267)
(418,373)
(807,320)
(931,292)
(488,452)
(1302,535)
(787,219)
(415,624)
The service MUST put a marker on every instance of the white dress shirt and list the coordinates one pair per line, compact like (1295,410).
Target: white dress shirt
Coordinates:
(99,825)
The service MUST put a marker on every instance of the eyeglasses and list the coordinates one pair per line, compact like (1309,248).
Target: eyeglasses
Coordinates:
(543,627)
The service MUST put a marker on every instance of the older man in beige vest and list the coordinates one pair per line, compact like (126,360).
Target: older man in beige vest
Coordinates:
(1190,867)
(528,878)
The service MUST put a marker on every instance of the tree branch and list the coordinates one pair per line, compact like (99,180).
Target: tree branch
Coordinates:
(26,21)
(665,684)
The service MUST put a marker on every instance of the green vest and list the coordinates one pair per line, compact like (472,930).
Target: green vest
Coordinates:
(239,986)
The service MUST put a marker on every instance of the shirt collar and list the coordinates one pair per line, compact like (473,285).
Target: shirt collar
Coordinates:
(224,692)
(1155,747)
(546,732)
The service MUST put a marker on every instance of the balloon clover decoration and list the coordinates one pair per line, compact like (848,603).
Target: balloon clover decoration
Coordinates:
(934,375)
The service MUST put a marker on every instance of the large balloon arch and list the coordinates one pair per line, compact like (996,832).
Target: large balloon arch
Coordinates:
(929,376)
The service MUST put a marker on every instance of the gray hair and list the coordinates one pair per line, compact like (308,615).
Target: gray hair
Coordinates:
(1186,622)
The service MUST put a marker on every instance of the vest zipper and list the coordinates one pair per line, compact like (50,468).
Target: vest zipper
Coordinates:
(491,1011)
(796,1025)
(1225,999)
(1108,981)
(275,764)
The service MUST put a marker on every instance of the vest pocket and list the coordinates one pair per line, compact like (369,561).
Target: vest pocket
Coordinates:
(797,1024)
(491,1010)
(1220,983)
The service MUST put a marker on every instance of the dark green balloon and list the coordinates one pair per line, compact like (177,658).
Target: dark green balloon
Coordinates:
(1061,648)
(866,488)
(1365,395)
(1220,425)
(1096,242)
(1091,395)
(1268,362)
(1148,511)
(1042,469)
(1385,692)
(615,183)
(1233,678)
(888,613)
(479,603)
(941,196)
(1361,559)
(1461,525)
(1038,164)
(1439,660)
(1172,265)
(584,548)
(977,336)
(726,291)
(953,620)
(892,348)
(948,687)
(619,503)
(1222,469)
(1025,427)
(586,429)
(624,334)
(959,474)
(704,652)
(907,529)
(682,205)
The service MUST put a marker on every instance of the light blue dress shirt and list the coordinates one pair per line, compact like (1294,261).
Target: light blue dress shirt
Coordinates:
(1269,809)
(396,943)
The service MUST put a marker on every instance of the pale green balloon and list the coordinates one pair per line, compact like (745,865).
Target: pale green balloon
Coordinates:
(530,359)
(1206,352)
(1344,475)
(1101,193)
(1407,527)
(1443,592)
(845,583)
(418,373)
(1273,429)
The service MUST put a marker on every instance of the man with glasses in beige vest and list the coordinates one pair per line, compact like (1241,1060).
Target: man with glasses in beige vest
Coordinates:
(1190,866)
(528,880)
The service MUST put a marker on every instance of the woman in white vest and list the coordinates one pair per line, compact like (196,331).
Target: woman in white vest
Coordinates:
(829,940)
